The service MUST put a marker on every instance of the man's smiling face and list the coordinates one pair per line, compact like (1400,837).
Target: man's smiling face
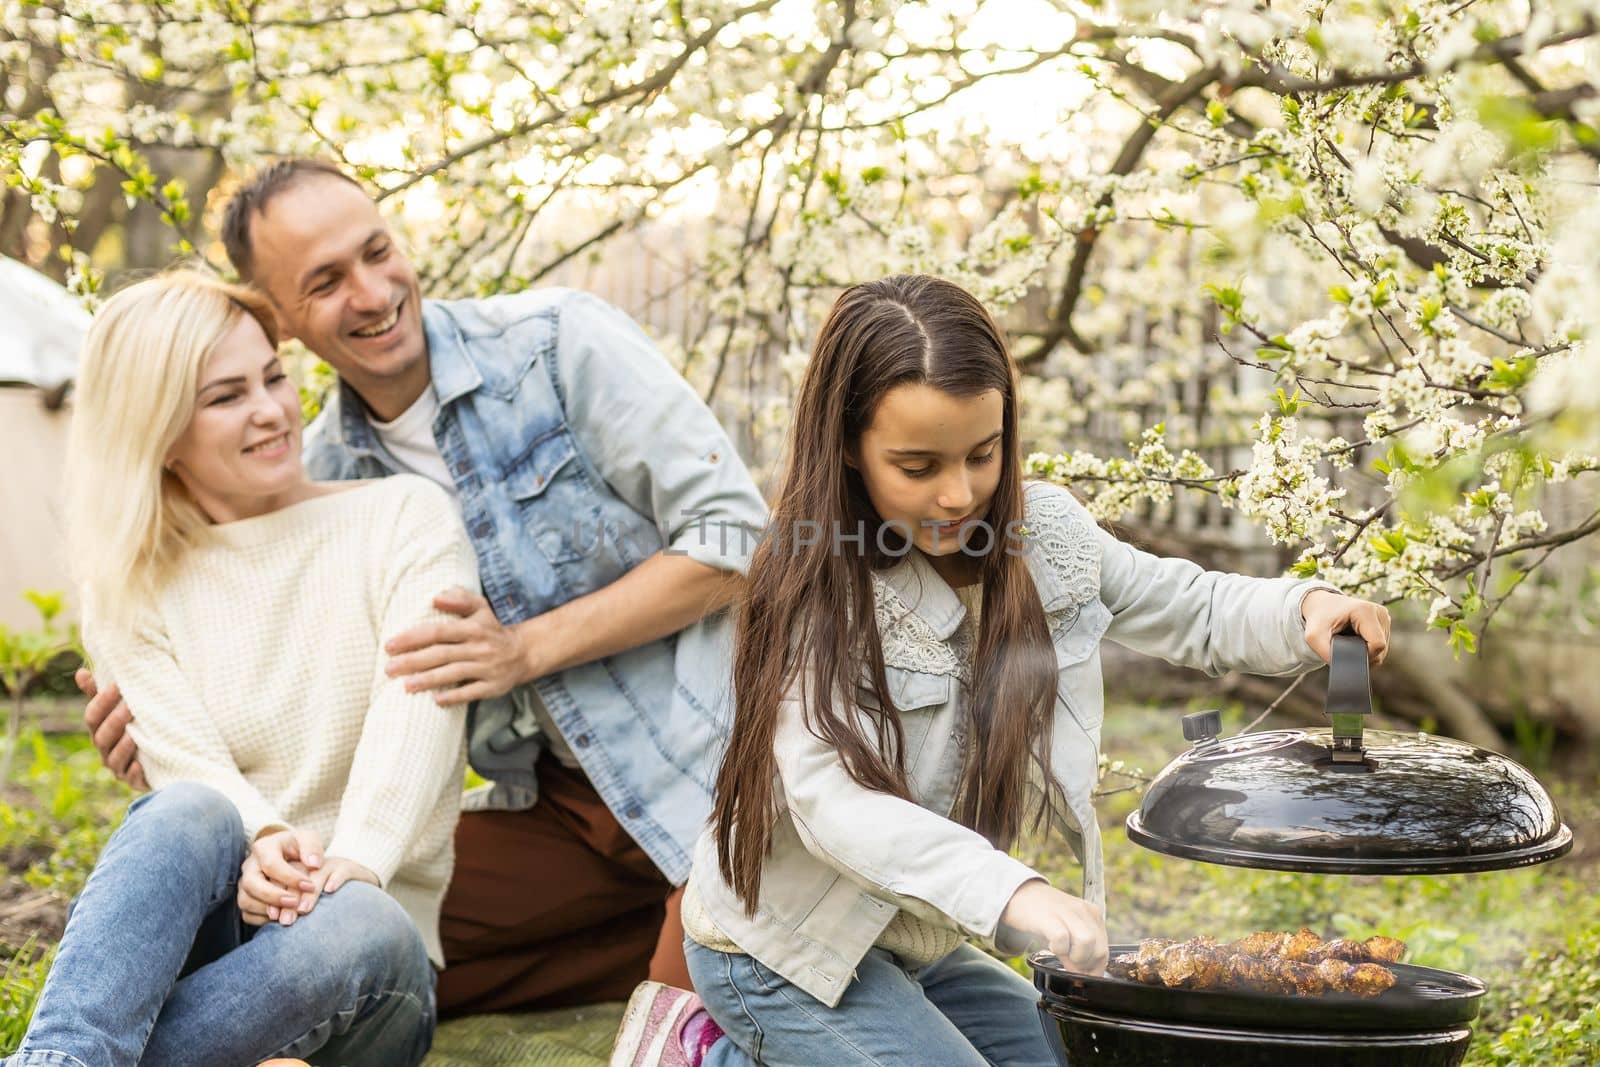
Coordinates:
(342,285)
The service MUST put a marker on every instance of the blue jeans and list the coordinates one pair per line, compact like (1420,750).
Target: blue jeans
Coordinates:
(157,967)
(967,1010)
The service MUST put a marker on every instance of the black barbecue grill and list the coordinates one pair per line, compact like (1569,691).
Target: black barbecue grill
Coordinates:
(1337,800)
(1423,1021)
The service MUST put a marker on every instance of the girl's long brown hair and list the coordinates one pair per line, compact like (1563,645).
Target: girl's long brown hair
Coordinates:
(810,606)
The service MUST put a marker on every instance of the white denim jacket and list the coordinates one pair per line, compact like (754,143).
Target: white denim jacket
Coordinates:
(845,859)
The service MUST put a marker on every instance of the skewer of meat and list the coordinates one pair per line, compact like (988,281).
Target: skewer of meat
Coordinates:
(1306,947)
(1299,964)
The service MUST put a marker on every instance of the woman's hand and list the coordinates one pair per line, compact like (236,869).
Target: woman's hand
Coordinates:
(264,899)
(1070,927)
(276,881)
(338,871)
(1327,613)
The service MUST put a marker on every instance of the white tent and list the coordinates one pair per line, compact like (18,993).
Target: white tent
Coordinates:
(42,326)
(41,329)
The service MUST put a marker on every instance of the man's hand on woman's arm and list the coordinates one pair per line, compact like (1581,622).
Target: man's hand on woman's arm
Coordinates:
(107,718)
(475,657)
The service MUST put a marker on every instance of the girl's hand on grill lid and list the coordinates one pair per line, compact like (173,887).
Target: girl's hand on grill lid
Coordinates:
(1327,613)
(1071,928)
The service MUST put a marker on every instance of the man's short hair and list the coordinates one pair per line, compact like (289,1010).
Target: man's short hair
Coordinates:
(257,193)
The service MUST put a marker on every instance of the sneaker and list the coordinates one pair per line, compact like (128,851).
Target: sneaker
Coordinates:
(663,1027)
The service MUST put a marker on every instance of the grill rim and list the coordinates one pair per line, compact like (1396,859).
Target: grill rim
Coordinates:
(1543,851)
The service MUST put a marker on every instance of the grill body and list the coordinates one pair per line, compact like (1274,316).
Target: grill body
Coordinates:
(1081,1036)
(1110,1022)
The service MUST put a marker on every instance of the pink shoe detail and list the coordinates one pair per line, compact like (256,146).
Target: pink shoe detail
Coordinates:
(653,1028)
(700,1031)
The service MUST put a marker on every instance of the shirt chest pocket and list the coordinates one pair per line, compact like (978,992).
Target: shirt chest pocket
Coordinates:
(923,701)
(1079,683)
(548,488)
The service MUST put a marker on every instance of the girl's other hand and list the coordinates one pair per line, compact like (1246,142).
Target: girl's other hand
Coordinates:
(1327,613)
(1070,927)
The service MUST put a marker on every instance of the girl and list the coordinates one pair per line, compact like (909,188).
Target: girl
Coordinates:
(242,610)
(916,685)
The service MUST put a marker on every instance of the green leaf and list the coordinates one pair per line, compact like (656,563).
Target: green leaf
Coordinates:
(1400,459)
(1389,544)
(48,605)
(1228,298)
(1522,128)
(1509,375)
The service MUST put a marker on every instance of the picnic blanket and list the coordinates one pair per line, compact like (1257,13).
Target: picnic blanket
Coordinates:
(575,1037)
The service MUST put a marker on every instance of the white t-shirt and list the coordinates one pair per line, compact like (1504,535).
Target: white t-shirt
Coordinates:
(409,440)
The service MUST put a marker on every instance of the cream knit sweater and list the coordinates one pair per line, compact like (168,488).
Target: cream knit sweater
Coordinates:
(259,671)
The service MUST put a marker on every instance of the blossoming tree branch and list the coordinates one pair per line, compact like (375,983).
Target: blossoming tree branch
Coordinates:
(1328,264)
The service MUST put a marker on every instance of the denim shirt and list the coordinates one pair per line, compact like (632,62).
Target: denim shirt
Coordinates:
(578,452)
(845,859)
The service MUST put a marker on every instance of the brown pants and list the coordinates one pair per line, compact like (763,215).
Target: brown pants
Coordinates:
(554,906)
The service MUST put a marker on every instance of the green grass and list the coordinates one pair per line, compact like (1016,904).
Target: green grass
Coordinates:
(1533,935)
(54,818)
(20,982)
(72,804)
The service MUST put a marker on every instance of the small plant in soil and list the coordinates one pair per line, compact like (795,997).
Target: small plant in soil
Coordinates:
(25,658)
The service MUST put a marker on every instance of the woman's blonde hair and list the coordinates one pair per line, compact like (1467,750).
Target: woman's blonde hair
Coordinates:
(129,518)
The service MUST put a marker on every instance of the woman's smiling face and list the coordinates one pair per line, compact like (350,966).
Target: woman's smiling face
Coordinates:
(240,453)
(931,463)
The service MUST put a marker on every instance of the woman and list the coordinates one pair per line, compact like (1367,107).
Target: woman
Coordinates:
(278,893)
(915,691)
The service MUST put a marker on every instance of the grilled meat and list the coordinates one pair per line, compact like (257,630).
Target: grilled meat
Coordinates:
(1300,946)
(1299,964)
(1307,947)
(1384,949)
(1150,950)
(1262,944)
(1362,979)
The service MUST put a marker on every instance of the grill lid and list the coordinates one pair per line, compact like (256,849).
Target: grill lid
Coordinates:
(1347,800)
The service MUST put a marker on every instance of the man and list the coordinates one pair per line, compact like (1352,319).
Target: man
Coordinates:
(611,519)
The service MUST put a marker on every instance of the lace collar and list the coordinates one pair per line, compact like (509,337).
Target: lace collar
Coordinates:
(918,614)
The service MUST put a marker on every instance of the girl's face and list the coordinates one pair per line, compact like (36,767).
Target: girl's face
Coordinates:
(931,463)
(240,454)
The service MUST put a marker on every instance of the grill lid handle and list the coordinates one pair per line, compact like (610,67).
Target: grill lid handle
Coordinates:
(1202,727)
(1349,697)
